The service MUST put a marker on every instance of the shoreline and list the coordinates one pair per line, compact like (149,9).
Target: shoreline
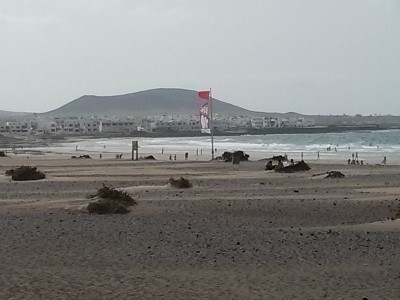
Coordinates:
(28,155)
(369,146)
(8,140)
(59,151)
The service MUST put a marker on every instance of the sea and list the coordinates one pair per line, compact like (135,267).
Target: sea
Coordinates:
(369,146)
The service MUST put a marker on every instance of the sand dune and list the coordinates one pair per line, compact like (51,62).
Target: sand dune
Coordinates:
(239,233)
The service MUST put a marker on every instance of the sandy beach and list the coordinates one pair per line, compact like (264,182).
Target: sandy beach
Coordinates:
(239,233)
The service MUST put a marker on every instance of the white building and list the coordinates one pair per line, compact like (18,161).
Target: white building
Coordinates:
(45,127)
(68,125)
(3,128)
(16,128)
(89,126)
(297,122)
(266,122)
(177,125)
(126,126)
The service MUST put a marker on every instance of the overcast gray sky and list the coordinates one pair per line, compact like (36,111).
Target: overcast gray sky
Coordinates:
(308,56)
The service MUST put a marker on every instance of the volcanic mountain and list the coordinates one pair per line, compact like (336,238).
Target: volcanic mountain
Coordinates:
(154,102)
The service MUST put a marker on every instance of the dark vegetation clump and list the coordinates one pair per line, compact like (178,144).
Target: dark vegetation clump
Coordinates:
(397,215)
(81,156)
(2,154)
(9,172)
(331,174)
(25,173)
(150,157)
(180,183)
(335,174)
(228,156)
(300,166)
(111,201)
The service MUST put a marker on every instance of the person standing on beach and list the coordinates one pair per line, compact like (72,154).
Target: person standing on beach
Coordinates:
(279,165)
(318,155)
(384,160)
(162,151)
(197,152)
(170,157)
(186,155)
(175,157)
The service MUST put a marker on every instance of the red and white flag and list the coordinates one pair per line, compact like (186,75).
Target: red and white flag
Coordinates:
(205,119)
(204,95)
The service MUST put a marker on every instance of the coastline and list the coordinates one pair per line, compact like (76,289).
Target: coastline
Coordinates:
(6,141)
(370,146)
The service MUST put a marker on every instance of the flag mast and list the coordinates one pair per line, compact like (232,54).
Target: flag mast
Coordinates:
(211,124)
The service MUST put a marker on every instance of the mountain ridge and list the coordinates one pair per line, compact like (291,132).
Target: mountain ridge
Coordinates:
(180,102)
(162,101)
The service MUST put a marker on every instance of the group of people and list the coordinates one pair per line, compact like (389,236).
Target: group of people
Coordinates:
(270,166)
(354,160)
(186,154)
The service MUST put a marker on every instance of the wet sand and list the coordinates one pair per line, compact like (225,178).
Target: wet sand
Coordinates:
(239,233)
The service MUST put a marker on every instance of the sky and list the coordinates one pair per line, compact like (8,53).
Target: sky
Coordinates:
(306,56)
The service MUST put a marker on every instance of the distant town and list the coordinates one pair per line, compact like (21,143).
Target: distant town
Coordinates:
(156,124)
(172,112)
(178,125)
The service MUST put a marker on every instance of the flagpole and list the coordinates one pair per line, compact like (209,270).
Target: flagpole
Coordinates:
(211,124)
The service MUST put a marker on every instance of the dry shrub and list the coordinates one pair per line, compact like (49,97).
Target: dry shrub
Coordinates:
(111,201)
(81,156)
(397,216)
(180,183)
(25,173)
(299,167)
(9,172)
(107,206)
(335,174)
(228,156)
(106,192)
